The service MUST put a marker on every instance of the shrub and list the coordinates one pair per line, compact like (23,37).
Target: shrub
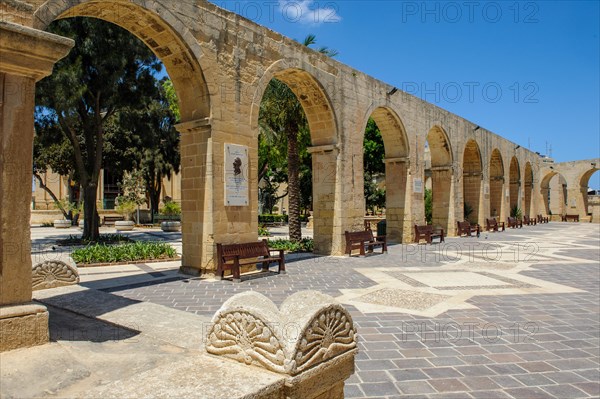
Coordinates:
(428,206)
(516,212)
(171,209)
(263,232)
(126,207)
(101,253)
(267,218)
(304,245)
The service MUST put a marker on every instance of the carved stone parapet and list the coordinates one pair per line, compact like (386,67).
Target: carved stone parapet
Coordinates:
(53,273)
(309,337)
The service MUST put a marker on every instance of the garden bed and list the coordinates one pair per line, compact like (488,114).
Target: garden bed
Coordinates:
(101,254)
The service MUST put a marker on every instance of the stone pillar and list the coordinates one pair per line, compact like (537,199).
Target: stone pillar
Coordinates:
(310,341)
(396,180)
(26,56)
(205,219)
(196,196)
(576,202)
(326,222)
(442,190)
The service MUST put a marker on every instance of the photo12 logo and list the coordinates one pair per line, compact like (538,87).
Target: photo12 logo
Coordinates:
(453,12)
(472,92)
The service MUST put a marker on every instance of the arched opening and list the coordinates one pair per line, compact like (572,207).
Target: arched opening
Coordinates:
(156,31)
(554,194)
(496,184)
(472,174)
(527,190)
(389,173)
(514,185)
(318,156)
(590,193)
(441,173)
(156,28)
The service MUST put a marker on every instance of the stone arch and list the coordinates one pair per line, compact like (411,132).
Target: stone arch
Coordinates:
(472,174)
(554,193)
(181,56)
(514,183)
(527,190)
(584,181)
(396,146)
(322,124)
(442,179)
(496,183)
(310,92)
(160,30)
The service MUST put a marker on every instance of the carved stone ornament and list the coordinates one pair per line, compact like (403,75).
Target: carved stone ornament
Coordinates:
(310,328)
(52,274)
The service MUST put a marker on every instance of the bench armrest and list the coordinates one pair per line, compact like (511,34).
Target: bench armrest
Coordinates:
(280,251)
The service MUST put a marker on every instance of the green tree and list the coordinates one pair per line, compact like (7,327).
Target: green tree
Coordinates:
(428,206)
(158,154)
(281,122)
(374,166)
(108,71)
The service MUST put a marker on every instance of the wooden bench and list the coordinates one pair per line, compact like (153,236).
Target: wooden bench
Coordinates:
(573,218)
(364,239)
(529,221)
(110,220)
(514,222)
(428,233)
(468,229)
(232,256)
(542,219)
(492,224)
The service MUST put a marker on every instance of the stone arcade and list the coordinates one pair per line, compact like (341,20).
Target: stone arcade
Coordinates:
(220,64)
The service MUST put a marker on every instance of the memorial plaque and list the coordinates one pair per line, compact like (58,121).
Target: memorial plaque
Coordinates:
(236,175)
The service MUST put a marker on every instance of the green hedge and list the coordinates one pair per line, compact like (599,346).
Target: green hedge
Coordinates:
(100,253)
(305,245)
(266,218)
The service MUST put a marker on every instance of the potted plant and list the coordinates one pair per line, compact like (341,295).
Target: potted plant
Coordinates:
(66,208)
(172,211)
(125,207)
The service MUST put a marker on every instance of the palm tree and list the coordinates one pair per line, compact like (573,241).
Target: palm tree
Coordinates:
(281,115)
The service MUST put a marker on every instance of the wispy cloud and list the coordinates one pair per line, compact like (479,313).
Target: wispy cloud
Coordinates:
(309,12)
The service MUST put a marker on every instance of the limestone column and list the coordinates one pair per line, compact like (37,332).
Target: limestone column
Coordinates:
(197,196)
(327,229)
(442,188)
(205,219)
(26,56)
(576,202)
(396,177)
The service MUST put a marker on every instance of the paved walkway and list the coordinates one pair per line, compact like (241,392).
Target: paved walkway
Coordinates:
(508,315)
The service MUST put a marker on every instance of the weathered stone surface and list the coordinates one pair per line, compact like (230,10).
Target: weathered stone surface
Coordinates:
(309,329)
(23,326)
(54,273)
(311,339)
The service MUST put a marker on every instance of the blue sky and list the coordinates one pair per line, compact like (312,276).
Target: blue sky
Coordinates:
(528,71)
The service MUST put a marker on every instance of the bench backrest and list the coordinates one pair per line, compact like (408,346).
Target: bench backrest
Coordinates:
(422,230)
(491,222)
(464,225)
(512,220)
(245,250)
(366,235)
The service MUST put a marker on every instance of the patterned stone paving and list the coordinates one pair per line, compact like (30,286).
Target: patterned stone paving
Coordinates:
(538,339)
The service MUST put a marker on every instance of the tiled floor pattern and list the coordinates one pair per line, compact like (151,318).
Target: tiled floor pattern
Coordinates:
(521,316)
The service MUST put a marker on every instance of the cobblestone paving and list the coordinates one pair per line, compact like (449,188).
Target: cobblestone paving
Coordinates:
(508,346)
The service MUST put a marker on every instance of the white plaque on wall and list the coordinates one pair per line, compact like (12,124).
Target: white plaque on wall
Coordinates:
(507,192)
(486,189)
(236,175)
(417,186)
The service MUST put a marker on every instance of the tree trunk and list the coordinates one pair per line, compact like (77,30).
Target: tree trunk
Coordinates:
(91,228)
(154,199)
(293,184)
